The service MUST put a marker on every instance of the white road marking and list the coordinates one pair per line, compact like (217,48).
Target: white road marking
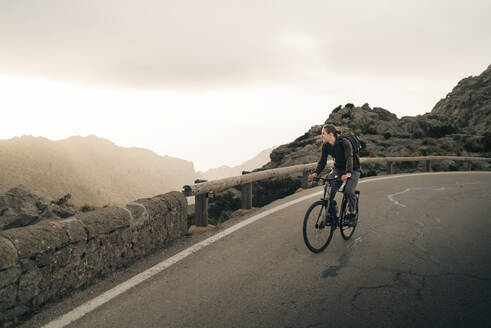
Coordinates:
(94,303)
(391,196)
(467,183)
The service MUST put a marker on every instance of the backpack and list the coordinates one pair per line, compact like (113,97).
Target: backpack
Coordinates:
(355,142)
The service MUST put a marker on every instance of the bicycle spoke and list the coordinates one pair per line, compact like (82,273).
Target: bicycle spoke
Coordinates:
(317,234)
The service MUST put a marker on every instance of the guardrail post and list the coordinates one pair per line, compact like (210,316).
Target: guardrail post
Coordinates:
(389,167)
(469,166)
(428,165)
(305,179)
(246,194)
(201,210)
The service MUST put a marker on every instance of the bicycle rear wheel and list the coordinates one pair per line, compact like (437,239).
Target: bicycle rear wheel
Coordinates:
(316,233)
(347,226)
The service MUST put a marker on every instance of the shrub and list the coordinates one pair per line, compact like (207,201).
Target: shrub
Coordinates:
(474,144)
(402,136)
(418,134)
(387,135)
(428,141)
(424,151)
(445,146)
(457,149)
(349,106)
(266,191)
(410,151)
(407,165)
(221,203)
(477,166)
(440,131)
(453,167)
(366,128)
(87,208)
(486,141)
(63,200)
(368,173)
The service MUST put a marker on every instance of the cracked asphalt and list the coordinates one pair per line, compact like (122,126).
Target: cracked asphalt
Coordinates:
(420,257)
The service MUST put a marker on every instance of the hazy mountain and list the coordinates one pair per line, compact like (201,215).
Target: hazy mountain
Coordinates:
(94,170)
(227,171)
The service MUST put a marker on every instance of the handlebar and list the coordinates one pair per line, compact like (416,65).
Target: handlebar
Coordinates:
(324,180)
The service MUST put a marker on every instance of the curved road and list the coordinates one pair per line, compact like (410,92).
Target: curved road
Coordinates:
(421,256)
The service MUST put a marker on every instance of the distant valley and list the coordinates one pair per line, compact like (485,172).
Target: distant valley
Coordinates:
(97,172)
(93,170)
(226,171)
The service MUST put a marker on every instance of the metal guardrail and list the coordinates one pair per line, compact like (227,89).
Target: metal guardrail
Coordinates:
(201,190)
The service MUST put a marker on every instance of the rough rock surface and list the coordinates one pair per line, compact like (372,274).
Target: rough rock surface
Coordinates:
(19,207)
(469,103)
(45,261)
(458,125)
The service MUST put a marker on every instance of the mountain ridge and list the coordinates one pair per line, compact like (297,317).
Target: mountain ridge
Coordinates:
(94,170)
(469,103)
(439,132)
(226,171)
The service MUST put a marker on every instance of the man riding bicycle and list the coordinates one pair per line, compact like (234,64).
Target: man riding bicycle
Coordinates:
(345,165)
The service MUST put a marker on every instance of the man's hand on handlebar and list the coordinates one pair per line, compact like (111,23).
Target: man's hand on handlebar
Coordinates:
(346,176)
(313,175)
(343,177)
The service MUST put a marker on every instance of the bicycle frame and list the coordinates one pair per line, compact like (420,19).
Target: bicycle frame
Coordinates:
(327,187)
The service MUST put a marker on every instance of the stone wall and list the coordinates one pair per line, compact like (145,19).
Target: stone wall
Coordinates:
(47,260)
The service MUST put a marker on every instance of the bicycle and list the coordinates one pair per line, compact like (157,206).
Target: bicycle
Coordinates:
(321,218)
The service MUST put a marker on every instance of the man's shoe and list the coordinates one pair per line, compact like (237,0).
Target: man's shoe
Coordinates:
(328,221)
(351,219)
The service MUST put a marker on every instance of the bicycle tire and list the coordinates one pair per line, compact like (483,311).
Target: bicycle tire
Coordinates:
(316,234)
(345,228)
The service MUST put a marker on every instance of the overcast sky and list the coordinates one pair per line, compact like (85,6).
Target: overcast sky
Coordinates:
(216,82)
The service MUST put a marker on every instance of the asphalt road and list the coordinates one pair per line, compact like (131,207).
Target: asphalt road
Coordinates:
(420,257)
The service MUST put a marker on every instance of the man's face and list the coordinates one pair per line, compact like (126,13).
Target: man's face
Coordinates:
(328,137)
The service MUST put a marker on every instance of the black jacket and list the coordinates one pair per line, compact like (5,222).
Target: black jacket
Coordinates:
(342,152)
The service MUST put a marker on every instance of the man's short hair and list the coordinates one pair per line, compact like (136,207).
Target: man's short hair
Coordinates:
(330,128)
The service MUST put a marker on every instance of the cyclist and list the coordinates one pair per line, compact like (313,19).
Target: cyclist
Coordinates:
(345,165)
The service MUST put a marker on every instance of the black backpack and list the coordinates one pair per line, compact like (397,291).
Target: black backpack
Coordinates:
(355,142)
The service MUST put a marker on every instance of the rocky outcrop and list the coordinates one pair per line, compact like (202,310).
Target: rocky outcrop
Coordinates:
(456,126)
(19,207)
(469,104)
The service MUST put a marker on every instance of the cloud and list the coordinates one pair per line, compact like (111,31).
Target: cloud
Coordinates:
(231,43)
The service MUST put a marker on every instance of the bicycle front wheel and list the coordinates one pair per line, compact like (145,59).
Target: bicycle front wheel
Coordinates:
(317,233)
(347,226)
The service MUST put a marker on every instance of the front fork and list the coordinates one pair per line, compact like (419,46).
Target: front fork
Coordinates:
(331,214)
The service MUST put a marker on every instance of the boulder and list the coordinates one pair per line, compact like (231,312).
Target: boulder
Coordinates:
(469,103)
(19,207)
